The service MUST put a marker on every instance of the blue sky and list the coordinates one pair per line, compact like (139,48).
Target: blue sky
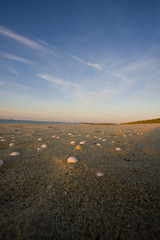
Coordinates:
(95,61)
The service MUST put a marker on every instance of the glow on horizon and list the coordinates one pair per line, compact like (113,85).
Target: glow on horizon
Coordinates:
(90,73)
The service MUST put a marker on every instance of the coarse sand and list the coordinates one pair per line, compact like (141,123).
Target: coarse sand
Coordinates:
(106,194)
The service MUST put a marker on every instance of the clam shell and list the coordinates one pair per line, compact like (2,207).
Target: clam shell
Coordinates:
(72,159)
(14,154)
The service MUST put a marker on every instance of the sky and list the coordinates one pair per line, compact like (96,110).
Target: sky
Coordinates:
(80,61)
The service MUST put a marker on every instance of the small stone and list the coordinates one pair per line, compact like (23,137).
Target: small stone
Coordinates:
(72,160)
(69,134)
(58,137)
(39,139)
(100,174)
(78,147)
(44,146)
(98,144)
(83,142)
(118,149)
(72,142)
(11,144)
(14,154)
(38,149)
(1,162)
(103,140)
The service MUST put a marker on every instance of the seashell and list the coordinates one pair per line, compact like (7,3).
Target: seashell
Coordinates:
(14,154)
(11,144)
(69,134)
(39,139)
(118,149)
(83,142)
(98,144)
(58,137)
(103,140)
(100,174)
(3,140)
(54,136)
(124,135)
(78,147)
(72,159)
(113,142)
(100,138)
(38,149)
(1,162)
(44,146)
(87,135)
(72,142)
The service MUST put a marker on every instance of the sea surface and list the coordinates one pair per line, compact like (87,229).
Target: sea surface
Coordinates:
(32,122)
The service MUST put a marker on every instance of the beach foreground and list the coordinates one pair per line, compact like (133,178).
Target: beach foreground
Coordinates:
(112,192)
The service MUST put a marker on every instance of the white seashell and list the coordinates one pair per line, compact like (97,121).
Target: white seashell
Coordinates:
(38,149)
(98,144)
(72,159)
(118,149)
(44,146)
(100,174)
(11,144)
(72,142)
(82,142)
(103,140)
(39,139)
(14,154)
(87,135)
(1,162)
(70,134)
(58,137)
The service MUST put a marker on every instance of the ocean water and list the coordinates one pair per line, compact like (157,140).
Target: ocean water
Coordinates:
(31,122)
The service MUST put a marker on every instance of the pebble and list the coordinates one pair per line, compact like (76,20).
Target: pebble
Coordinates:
(83,142)
(103,140)
(100,174)
(118,149)
(1,162)
(11,144)
(98,144)
(54,136)
(78,147)
(44,146)
(58,137)
(38,149)
(14,154)
(72,142)
(39,139)
(69,134)
(72,160)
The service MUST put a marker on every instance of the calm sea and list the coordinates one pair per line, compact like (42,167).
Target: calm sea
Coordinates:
(31,122)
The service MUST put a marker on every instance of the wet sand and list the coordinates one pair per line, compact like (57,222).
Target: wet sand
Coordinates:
(44,197)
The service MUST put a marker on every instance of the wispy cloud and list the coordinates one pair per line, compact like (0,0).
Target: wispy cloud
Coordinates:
(26,41)
(93,65)
(122,77)
(58,81)
(15,58)
(17,85)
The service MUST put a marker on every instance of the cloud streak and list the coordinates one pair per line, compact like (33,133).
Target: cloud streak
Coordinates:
(15,58)
(93,65)
(26,41)
(58,81)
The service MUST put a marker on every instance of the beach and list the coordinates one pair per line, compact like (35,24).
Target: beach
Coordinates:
(111,192)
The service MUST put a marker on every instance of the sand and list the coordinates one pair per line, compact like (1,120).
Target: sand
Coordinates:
(107,194)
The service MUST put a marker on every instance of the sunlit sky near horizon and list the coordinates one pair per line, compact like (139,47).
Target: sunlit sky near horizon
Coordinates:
(91,61)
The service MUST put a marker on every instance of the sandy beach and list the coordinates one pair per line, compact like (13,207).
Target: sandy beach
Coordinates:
(112,192)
